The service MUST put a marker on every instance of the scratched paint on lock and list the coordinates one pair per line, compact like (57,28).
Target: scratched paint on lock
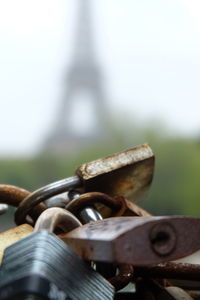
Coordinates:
(116,161)
(128,173)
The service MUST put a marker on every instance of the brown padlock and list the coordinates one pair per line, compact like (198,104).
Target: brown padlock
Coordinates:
(128,173)
(138,241)
(13,235)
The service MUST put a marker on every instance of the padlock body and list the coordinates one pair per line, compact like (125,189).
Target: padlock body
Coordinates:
(13,235)
(42,265)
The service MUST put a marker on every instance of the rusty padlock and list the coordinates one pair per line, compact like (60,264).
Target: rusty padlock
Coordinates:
(138,241)
(128,173)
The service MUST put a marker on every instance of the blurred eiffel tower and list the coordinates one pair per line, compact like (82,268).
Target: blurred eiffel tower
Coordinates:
(81,119)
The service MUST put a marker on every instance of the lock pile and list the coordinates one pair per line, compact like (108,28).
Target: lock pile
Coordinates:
(84,237)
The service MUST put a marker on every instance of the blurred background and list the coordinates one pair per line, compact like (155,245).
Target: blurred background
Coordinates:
(81,79)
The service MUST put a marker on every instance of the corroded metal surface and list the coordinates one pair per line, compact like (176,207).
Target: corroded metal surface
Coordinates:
(131,247)
(170,270)
(123,278)
(13,235)
(129,240)
(128,208)
(13,196)
(107,205)
(128,173)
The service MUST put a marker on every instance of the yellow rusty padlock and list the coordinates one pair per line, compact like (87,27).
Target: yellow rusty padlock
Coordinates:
(13,235)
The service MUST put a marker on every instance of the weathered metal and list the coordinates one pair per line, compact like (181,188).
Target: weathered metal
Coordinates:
(128,208)
(128,173)
(170,270)
(42,265)
(130,245)
(124,277)
(13,196)
(129,240)
(53,217)
(42,194)
(13,235)
(110,204)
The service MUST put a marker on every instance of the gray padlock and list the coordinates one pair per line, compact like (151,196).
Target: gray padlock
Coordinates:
(43,266)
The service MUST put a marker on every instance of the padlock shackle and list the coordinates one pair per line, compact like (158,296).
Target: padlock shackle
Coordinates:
(77,205)
(43,194)
(55,217)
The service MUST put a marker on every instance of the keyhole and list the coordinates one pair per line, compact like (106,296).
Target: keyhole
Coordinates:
(163,238)
(160,239)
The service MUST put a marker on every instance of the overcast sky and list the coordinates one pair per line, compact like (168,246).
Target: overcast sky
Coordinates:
(149,52)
